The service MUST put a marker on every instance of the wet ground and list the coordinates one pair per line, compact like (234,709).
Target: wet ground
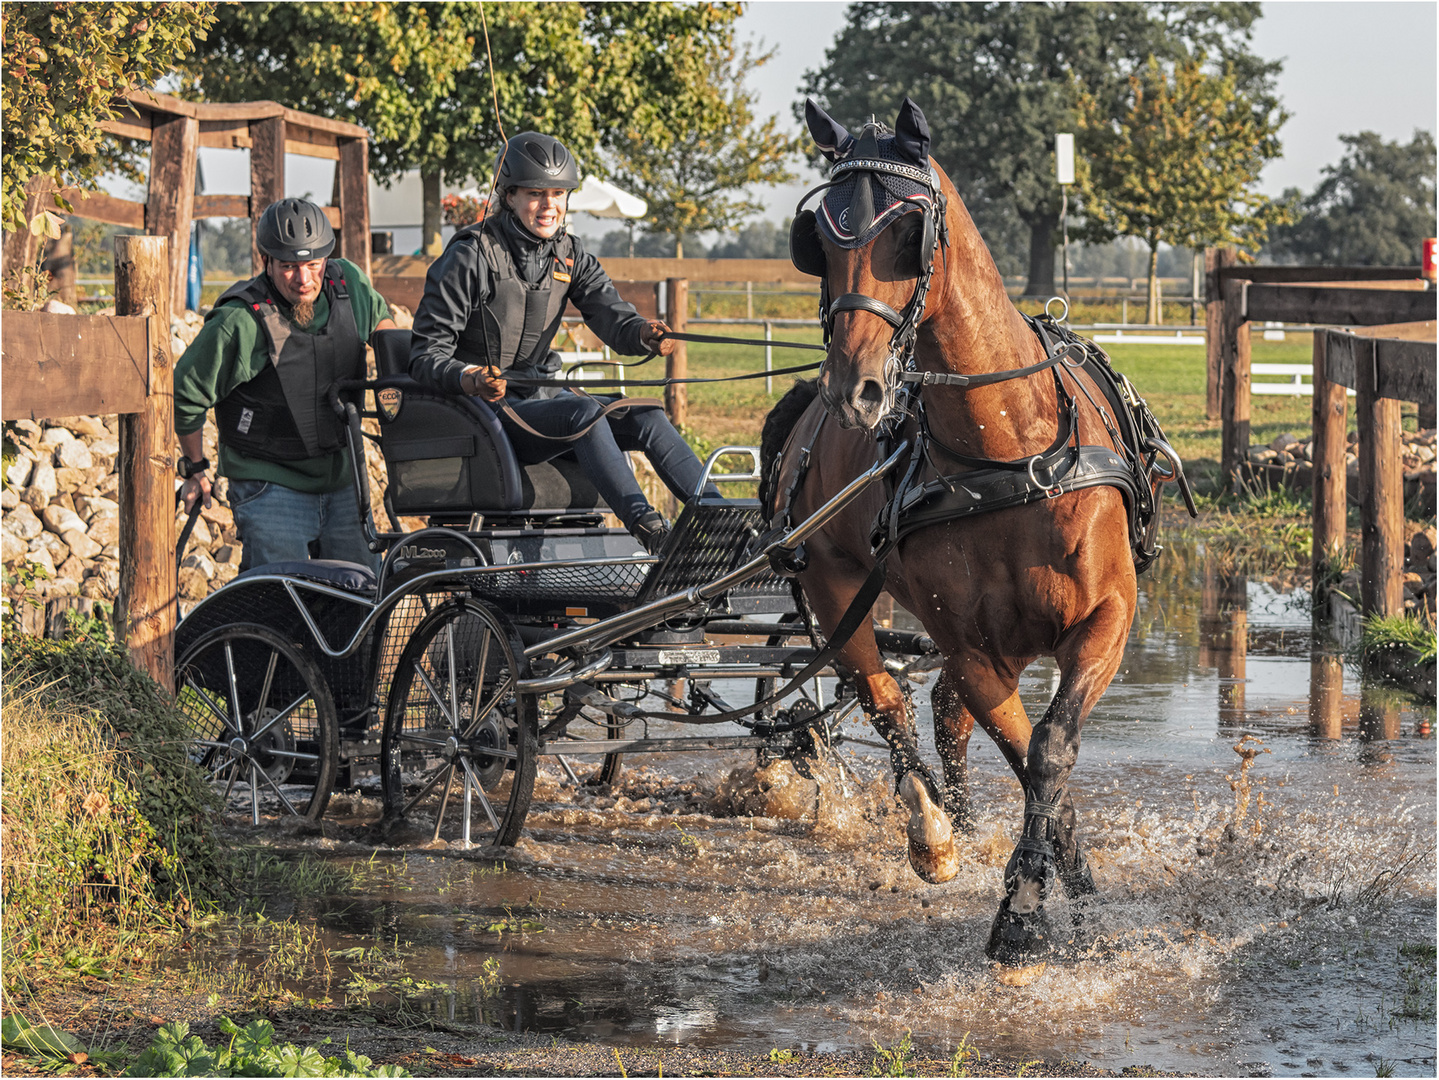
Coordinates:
(1267,911)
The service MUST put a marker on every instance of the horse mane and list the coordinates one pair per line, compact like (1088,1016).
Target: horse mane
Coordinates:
(777,426)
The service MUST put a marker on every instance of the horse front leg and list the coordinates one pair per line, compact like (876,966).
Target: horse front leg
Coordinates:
(1048,848)
(890,711)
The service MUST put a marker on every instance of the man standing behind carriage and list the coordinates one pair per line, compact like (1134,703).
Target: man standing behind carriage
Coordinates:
(492,306)
(266,359)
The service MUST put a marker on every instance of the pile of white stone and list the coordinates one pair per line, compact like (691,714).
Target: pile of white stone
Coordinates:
(1289,459)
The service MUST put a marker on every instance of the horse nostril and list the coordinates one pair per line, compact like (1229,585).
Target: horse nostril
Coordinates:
(871,393)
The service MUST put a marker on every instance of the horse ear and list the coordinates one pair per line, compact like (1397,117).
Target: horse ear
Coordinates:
(911,133)
(827,134)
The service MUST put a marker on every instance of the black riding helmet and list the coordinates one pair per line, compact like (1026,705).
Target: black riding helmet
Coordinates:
(532,160)
(294,230)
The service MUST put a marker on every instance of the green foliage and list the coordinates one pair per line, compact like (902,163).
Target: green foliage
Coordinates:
(1177,161)
(64,65)
(757,240)
(20,1036)
(1398,633)
(1374,207)
(696,181)
(895,1060)
(225,247)
(252,1051)
(93,678)
(997,80)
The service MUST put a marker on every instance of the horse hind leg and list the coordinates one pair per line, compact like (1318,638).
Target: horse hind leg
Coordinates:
(953,726)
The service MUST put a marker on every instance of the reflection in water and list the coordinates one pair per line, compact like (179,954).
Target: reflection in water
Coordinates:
(1224,637)
(1326,695)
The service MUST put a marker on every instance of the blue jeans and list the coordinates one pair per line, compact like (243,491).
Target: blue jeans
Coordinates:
(279,524)
(601,451)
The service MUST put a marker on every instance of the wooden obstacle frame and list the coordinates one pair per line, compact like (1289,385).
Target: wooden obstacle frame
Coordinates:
(55,365)
(1375,335)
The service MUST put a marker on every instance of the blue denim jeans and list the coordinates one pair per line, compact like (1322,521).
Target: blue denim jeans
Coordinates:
(277,524)
(601,451)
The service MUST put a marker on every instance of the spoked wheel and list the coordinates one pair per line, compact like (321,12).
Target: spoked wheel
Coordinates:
(262,721)
(459,749)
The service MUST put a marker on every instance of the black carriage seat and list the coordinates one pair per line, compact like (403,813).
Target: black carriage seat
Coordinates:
(447,456)
(349,576)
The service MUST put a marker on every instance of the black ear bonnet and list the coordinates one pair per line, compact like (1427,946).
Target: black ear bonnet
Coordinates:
(860,202)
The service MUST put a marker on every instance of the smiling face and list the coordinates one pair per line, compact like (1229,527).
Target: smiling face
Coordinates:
(541,210)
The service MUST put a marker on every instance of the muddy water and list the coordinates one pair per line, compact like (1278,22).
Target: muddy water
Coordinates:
(1252,924)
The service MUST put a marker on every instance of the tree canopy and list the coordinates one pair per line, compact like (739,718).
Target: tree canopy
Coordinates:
(417,75)
(1178,163)
(64,66)
(998,80)
(1374,207)
(697,181)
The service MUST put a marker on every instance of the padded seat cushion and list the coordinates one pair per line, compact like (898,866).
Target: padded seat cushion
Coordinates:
(352,577)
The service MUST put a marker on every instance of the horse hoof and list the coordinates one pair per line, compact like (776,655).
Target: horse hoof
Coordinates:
(931,840)
(1018,940)
(1018,976)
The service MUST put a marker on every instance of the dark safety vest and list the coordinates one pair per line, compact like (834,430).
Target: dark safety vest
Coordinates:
(284,413)
(514,328)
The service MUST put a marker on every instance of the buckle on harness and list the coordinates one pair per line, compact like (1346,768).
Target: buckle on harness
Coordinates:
(1049,492)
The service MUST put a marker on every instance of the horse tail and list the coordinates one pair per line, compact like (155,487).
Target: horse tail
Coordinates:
(777,426)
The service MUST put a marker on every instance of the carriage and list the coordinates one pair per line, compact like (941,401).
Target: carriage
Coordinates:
(513,627)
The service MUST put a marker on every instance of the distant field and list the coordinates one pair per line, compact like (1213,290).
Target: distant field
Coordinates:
(1170,377)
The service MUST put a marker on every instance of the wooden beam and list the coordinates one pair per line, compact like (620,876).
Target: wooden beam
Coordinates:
(1395,369)
(170,207)
(309,122)
(1234,389)
(677,302)
(1336,305)
(352,177)
(772,271)
(1216,260)
(1381,491)
(71,365)
(225,134)
(267,174)
(145,608)
(98,206)
(314,150)
(1331,423)
(1295,274)
(128,126)
(208,206)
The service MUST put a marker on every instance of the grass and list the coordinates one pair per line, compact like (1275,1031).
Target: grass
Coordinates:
(1398,633)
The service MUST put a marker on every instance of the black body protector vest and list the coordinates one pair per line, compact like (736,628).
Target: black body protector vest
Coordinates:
(514,328)
(284,413)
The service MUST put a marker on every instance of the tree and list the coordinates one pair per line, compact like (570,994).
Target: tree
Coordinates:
(64,65)
(647,245)
(997,81)
(757,240)
(696,182)
(1178,163)
(1375,207)
(417,75)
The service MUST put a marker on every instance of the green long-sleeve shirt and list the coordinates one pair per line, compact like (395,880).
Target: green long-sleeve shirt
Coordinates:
(231,349)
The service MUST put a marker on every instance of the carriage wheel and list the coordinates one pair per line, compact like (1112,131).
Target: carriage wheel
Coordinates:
(262,721)
(459,749)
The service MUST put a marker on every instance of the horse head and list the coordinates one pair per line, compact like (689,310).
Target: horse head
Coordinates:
(873,239)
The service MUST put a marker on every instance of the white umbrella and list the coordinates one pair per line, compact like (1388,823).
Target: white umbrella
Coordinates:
(604,200)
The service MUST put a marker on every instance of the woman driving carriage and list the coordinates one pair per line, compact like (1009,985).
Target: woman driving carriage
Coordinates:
(491,308)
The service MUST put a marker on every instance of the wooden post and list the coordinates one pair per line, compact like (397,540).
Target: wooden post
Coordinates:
(1234,395)
(677,301)
(1381,490)
(267,174)
(1326,695)
(145,609)
(352,177)
(1331,420)
(170,205)
(1214,260)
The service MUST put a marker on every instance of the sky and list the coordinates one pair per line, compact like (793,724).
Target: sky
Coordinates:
(1348,67)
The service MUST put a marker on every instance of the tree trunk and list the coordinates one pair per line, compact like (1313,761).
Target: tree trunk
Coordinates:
(1041,256)
(430,240)
(1153,310)
(679,245)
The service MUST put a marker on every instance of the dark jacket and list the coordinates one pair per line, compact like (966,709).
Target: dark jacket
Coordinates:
(459,283)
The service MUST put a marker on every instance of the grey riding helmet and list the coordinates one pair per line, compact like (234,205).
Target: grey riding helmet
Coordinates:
(533,160)
(294,230)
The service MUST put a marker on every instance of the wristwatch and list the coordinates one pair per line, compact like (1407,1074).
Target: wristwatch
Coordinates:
(187,468)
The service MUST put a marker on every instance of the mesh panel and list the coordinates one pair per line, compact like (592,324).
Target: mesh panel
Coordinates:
(610,584)
(712,539)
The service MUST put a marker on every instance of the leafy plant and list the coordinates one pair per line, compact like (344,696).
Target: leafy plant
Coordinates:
(252,1051)
(895,1060)
(42,1041)
(965,1055)
(1396,633)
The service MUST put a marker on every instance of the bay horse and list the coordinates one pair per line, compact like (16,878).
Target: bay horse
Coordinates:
(1005,414)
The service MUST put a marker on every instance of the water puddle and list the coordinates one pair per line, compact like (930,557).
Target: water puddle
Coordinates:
(1274,916)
